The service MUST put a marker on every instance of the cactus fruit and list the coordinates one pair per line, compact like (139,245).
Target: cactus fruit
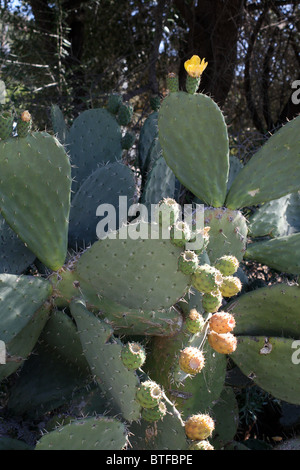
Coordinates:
(149,394)
(199,427)
(188,262)
(133,355)
(230,286)
(6,124)
(224,343)
(180,233)
(154,414)
(212,302)
(227,265)
(222,322)
(167,212)
(155,102)
(124,115)
(114,102)
(194,322)
(24,124)
(128,140)
(205,238)
(172,82)
(207,279)
(201,445)
(191,360)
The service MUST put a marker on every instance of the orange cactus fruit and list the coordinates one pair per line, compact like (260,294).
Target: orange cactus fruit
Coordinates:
(223,343)
(222,322)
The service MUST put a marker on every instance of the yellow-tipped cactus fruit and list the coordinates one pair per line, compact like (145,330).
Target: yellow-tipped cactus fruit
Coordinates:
(199,427)
(206,279)
(230,286)
(191,360)
(227,264)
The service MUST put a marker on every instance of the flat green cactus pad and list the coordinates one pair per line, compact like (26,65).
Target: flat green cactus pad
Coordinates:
(282,253)
(269,362)
(268,311)
(272,172)
(103,353)
(20,298)
(35,185)
(94,139)
(193,136)
(100,433)
(135,272)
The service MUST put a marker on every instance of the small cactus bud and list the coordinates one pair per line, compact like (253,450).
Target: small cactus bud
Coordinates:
(6,124)
(194,322)
(212,302)
(128,140)
(222,322)
(167,212)
(191,360)
(201,445)
(230,286)
(188,262)
(227,265)
(133,356)
(149,394)
(172,82)
(24,124)
(155,102)
(199,427)
(114,102)
(124,114)
(180,233)
(206,278)
(154,414)
(224,343)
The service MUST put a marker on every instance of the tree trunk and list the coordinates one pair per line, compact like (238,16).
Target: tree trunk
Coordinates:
(213,34)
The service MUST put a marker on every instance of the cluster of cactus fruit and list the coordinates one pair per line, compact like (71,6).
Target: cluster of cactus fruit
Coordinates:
(135,326)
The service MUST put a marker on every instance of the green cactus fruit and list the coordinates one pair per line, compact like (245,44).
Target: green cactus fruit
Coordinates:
(199,427)
(155,102)
(191,360)
(124,114)
(180,233)
(192,84)
(6,124)
(188,262)
(205,239)
(212,302)
(24,124)
(207,279)
(201,445)
(133,355)
(167,212)
(230,286)
(114,103)
(149,394)
(154,414)
(227,265)
(128,140)
(194,322)
(172,82)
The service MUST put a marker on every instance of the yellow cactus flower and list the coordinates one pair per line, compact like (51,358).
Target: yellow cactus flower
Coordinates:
(195,66)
